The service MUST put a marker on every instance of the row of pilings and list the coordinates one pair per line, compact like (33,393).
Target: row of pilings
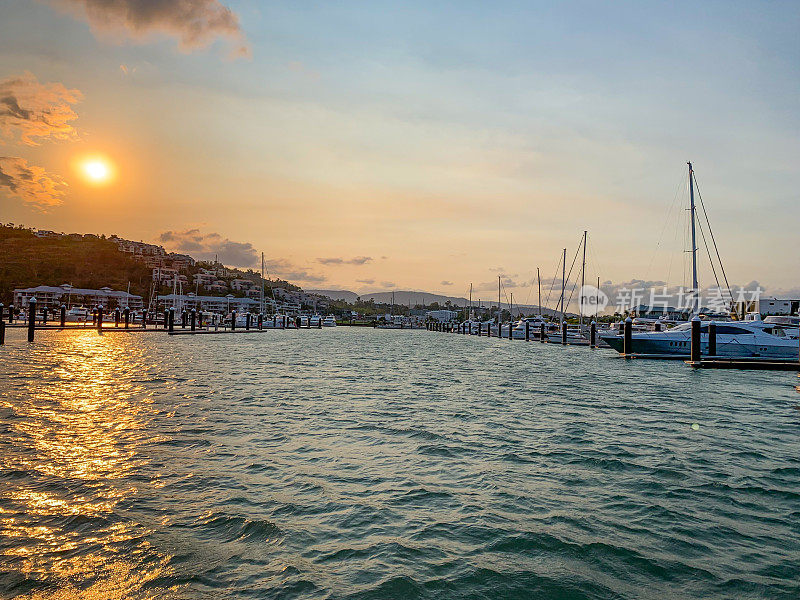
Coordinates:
(468,328)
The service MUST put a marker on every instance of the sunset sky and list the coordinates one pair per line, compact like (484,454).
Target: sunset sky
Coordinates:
(414,145)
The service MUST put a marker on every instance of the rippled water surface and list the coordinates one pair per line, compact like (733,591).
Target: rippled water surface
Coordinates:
(343,463)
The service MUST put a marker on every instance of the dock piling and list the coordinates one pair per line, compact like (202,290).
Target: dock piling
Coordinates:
(116,317)
(144,318)
(593,335)
(563,333)
(127,315)
(171,320)
(44,315)
(193,319)
(627,341)
(63,315)
(712,338)
(694,352)
(542,333)
(31,318)
(100,318)
(2,331)
(233,320)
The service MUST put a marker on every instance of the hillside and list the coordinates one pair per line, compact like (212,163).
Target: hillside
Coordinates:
(87,262)
(404,298)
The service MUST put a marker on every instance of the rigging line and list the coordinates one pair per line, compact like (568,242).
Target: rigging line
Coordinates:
(570,274)
(708,251)
(553,282)
(664,227)
(572,266)
(711,233)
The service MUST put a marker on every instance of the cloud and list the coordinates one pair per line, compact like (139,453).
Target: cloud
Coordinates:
(207,246)
(388,284)
(365,281)
(36,110)
(195,23)
(29,183)
(357,261)
(445,282)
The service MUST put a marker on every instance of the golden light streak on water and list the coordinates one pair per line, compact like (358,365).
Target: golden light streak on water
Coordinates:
(82,431)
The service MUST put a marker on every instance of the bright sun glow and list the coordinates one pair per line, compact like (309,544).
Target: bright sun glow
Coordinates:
(97,170)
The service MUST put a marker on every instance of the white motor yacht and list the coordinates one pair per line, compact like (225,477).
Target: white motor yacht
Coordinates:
(329,321)
(78,314)
(735,339)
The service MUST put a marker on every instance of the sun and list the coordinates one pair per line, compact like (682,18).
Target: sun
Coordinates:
(97,170)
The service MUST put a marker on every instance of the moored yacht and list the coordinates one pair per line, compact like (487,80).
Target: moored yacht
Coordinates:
(329,321)
(735,339)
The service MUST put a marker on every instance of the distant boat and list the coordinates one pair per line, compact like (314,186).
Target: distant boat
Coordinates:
(78,314)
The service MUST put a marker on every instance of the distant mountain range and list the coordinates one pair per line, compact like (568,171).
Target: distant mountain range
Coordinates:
(426,298)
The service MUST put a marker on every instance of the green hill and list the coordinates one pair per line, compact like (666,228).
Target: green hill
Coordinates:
(86,262)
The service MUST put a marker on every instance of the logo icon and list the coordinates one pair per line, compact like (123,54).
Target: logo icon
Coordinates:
(592,301)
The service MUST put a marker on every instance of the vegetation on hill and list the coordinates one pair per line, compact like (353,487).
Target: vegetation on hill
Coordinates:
(90,261)
(85,262)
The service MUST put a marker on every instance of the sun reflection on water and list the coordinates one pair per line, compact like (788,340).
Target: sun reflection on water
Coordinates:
(76,434)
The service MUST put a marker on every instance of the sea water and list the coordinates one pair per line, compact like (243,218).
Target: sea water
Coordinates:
(360,463)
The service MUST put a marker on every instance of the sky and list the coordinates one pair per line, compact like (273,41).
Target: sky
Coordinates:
(415,145)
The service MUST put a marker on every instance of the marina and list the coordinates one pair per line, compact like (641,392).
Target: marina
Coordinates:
(399,301)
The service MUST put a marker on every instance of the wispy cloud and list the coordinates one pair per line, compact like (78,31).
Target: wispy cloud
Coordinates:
(195,23)
(445,282)
(36,111)
(30,183)
(357,260)
(365,281)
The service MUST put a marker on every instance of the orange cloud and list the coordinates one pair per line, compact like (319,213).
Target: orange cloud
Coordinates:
(36,111)
(30,183)
(196,23)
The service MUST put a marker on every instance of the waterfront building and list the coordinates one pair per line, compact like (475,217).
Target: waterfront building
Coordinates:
(442,316)
(55,296)
(766,306)
(215,304)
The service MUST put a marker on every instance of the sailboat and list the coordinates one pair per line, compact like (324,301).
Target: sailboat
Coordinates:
(738,339)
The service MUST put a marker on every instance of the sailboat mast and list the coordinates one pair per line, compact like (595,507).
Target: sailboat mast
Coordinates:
(563,282)
(498,303)
(695,291)
(262,283)
(583,276)
(539,280)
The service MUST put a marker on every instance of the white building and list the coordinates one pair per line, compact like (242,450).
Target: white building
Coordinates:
(442,316)
(216,304)
(766,306)
(53,297)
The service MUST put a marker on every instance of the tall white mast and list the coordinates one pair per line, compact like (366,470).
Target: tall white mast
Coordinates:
(583,275)
(695,290)
(563,282)
(262,283)
(498,303)
(539,281)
